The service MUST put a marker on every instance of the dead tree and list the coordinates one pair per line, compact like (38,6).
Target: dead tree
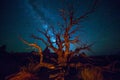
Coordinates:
(64,37)
(61,46)
(41,63)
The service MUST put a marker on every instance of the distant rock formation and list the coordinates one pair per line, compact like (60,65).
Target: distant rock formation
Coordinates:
(3,49)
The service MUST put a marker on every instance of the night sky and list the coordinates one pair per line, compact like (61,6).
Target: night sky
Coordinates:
(19,17)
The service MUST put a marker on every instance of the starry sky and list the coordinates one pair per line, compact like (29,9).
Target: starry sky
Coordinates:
(23,17)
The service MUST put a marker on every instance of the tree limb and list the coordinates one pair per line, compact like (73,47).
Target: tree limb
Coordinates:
(85,47)
(39,38)
(87,13)
(48,39)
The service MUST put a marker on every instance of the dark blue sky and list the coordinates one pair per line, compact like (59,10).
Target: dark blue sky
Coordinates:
(17,17)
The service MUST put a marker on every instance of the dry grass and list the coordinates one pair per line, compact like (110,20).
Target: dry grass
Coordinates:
(25,73)
(91,73)
(22,75)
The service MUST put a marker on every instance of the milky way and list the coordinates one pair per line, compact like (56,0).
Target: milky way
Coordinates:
(19,17)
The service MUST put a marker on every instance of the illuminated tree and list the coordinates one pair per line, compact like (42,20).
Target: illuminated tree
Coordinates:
(63,37)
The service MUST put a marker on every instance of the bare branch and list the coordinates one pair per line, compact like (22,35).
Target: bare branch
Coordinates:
(86,14)
(41,64)
(75,40)
(39,38)
(53,30)
(45,32)
(63,14)
(36,46)
(77,28)
(85,47)
(47,65)
(48,40)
